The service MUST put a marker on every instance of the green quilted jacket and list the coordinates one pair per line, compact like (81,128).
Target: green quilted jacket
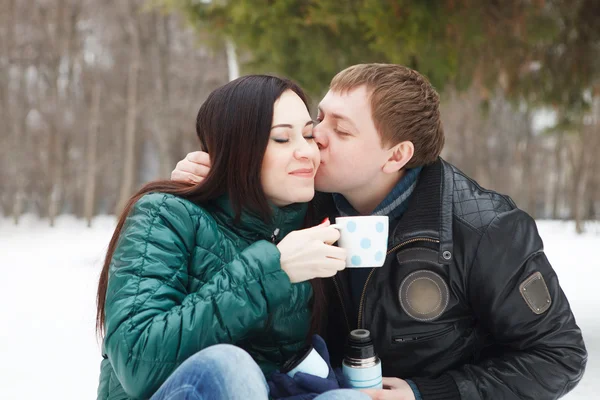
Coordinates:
(185,277)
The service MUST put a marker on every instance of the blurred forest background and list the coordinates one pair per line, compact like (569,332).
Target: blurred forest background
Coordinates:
(97,97)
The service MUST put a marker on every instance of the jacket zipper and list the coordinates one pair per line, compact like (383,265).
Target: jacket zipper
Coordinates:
(274,235)
(270,316)
(339,292)
(417,338)
(362,296)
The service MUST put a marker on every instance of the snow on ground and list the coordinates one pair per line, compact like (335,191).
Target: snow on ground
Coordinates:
(48,278)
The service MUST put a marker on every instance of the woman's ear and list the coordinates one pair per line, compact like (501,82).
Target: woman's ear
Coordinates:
(400,155)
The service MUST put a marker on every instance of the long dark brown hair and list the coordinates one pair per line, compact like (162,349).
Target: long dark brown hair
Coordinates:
(233,126)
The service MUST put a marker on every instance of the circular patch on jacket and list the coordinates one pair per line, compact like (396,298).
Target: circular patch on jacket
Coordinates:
(424,295)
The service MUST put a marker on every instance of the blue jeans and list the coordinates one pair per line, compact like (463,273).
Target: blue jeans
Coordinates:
(224,372)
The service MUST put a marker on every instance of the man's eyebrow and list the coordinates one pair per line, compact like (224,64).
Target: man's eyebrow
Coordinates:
(311,122)
(338,116)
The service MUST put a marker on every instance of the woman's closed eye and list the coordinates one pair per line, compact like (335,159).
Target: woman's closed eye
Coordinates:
(281,140)
(308,132)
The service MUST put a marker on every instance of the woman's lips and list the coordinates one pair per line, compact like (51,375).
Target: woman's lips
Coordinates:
(303,173)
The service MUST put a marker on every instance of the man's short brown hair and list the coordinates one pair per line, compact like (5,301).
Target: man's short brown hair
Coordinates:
(404,107)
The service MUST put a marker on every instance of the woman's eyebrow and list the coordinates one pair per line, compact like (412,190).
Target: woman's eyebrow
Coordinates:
(282,126)
(311,122)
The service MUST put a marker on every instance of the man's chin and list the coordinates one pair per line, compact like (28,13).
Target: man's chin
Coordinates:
(321,185)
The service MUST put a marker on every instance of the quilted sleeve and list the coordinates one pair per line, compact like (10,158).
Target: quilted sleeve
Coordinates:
(152,323)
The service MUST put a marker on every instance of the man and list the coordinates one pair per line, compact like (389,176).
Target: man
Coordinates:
(466,305)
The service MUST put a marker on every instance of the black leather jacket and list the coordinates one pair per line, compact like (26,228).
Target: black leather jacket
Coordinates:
(466,304)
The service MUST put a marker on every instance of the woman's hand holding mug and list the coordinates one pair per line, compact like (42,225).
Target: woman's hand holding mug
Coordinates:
(305,254)
(308,253)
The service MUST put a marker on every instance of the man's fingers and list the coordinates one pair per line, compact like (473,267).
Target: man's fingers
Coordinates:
(192,168)
(372,393)
(392,383)
(199,157)
(201,171)
(185,177)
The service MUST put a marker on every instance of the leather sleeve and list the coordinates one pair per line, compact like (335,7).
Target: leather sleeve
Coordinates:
(543,355)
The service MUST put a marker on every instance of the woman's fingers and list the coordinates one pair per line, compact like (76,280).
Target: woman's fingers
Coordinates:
(325,234)
(335,252)
(330,267)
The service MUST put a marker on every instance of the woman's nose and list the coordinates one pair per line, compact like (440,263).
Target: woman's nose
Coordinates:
(306,150)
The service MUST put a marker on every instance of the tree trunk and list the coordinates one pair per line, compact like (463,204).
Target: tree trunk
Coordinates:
(13,114)
(577,178)
(593,194)
(233,66)
(163,131)
(91,159)
(557,188)
(56,160)
(72,104)
(528,175)
(594,168)
(129,162)
(57,142)
(593,187)
(20,133)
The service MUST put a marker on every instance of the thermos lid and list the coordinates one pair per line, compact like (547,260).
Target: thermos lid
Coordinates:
(359,345)
(296,359)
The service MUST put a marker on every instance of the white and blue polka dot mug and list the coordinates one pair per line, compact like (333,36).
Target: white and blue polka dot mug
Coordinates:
(365,238)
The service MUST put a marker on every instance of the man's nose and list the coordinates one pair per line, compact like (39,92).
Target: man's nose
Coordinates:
(320,137)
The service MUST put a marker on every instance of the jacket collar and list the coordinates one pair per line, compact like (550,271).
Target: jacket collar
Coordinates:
(393,205)
(429,213)
(252,227)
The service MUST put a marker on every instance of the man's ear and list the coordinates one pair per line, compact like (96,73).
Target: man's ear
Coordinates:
(399,156)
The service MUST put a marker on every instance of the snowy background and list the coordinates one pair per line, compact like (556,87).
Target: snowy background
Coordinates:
(48,347)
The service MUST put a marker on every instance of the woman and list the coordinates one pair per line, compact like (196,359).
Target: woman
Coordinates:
(189,267)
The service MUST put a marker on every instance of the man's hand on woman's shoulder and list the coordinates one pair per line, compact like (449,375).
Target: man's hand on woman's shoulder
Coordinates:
(192,169)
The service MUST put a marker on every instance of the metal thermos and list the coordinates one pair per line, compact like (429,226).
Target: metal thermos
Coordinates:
(361,366)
